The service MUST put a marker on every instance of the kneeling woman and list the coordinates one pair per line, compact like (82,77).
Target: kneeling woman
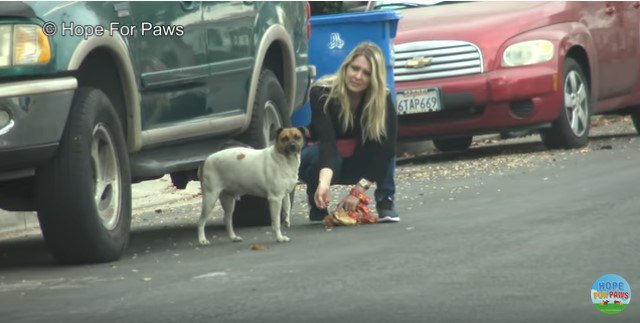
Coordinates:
(354,123)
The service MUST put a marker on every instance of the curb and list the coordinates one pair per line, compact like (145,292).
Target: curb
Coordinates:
(15,222)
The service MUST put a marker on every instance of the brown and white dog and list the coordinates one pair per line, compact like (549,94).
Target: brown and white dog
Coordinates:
(271,173)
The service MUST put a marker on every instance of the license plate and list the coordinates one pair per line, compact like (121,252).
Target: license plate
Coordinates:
(418,101)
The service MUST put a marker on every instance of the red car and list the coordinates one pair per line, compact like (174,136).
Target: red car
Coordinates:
(469,68)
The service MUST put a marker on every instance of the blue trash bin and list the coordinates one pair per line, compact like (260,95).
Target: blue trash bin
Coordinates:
(334,36)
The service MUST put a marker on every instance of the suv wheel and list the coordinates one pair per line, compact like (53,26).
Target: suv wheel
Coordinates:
(266,115)
(265,120)
(453,144)
(571,129)
(84,193)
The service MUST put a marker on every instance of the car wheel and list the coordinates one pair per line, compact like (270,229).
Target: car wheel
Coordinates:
(265,120)
(571,129)
(84,193)
(453,144)
(266,117)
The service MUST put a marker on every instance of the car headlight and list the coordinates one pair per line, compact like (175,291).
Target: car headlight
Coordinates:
(23,45)
(528,53)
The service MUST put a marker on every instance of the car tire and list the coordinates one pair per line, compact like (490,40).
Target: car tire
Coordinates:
(84,194)
(266,117)
(571,129)
(453,144)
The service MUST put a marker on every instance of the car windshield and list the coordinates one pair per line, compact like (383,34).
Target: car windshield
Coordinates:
(397,5)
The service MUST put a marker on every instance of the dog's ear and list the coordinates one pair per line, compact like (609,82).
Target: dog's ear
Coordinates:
(279,131)
(305,132)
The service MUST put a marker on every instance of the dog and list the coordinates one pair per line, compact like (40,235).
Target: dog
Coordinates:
(271,173)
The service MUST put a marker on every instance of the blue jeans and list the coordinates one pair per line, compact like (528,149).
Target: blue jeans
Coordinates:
(348,171)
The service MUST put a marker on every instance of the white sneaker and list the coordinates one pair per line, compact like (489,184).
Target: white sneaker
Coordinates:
(389,219)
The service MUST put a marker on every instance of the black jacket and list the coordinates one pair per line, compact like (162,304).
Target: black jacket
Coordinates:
(326,128)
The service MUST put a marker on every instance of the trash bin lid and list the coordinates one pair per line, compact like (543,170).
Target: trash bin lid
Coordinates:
(370,16)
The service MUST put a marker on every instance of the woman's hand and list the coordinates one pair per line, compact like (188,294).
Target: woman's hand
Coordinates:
(323,191)
(322,196)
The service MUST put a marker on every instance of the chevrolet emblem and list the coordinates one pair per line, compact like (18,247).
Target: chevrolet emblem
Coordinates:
(418,62)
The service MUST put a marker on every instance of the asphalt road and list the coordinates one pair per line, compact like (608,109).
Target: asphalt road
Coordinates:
(507,232)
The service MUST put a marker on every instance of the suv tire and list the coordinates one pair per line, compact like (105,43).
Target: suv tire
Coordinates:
(265,119)
(84,193)
(571,129)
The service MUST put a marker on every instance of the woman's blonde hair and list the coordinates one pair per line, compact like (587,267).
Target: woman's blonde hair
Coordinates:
(374,113)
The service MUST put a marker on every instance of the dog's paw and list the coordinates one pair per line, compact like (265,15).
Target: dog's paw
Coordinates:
(204,242)
(283,239)
(236,239)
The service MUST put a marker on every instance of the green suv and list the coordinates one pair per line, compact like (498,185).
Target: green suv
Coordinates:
(95,96)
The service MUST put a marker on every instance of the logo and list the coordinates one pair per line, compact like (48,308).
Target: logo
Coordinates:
(611,294)
(335,41)
(418,62)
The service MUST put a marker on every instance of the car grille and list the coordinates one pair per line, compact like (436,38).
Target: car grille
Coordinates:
(447,58)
